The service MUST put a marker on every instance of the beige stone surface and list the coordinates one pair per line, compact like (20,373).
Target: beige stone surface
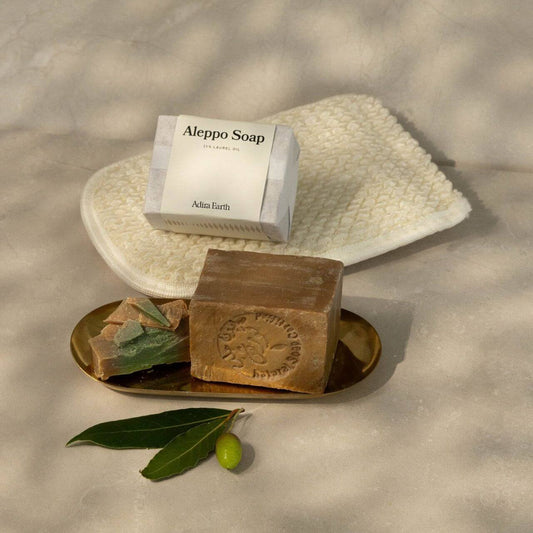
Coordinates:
(439,437)
(457,74)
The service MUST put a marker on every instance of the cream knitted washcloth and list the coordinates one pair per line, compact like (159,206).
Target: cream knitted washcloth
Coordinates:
(365,187)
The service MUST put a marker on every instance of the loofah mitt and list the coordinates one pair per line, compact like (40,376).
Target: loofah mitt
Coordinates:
(365,187)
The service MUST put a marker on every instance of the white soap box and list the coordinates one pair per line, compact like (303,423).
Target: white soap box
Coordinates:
(273,217)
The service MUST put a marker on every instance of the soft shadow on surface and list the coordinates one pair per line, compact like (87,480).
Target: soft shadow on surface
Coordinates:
(248,456)
(252,59)
(392,320)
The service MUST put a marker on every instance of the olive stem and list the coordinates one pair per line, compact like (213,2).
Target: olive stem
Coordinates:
(232,416)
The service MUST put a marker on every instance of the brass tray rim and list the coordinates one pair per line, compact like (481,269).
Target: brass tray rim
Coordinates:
(270,394)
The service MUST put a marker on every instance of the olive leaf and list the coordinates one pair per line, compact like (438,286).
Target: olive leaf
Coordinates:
(151,431)
(187,450)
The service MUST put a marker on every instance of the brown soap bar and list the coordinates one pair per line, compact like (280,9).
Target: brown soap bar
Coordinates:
(266,320)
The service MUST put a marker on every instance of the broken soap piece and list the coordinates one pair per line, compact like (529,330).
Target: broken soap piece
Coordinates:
(125,311)
(154,347)
(149,309)
(130,330)
(172,311)
(131,341)
(266,320)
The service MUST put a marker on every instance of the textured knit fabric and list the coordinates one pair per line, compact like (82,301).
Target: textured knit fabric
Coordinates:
(365,187)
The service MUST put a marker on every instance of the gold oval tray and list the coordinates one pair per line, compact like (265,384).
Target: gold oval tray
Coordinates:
(357,355)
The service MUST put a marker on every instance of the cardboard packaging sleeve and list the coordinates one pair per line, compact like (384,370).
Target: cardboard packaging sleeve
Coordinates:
(278,200)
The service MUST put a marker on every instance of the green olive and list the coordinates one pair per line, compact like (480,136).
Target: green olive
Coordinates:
(228,450)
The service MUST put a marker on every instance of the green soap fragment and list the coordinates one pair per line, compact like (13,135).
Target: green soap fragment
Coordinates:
(154,347)
(147,307)
(153,342)
(129,331)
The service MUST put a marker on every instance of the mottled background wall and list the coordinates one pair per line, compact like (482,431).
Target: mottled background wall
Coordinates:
(459,75)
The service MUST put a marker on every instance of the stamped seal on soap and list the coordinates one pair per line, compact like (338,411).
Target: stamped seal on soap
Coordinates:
(260,345)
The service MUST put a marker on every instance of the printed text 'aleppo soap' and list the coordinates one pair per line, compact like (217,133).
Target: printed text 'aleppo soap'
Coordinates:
(266,320)
(222,178)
